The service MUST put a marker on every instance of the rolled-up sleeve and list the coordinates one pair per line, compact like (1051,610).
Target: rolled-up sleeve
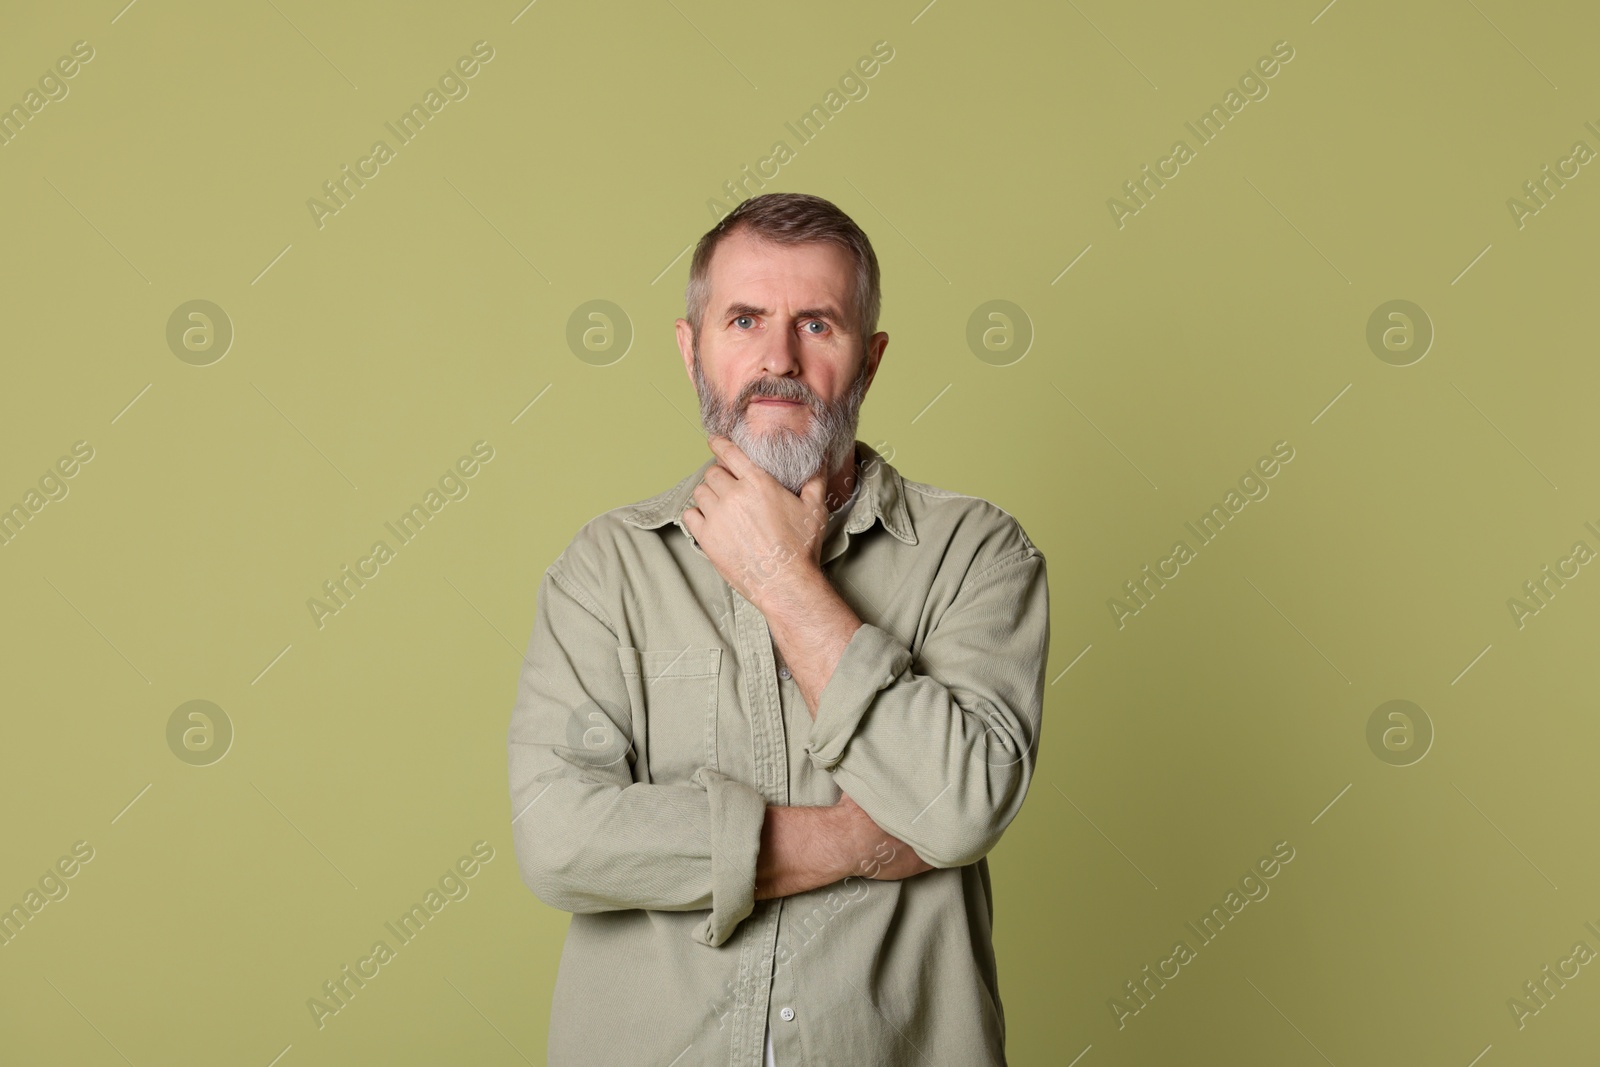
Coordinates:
(588,838)
(939,749)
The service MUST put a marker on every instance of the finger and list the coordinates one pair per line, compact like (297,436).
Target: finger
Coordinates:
(813,491)
(718,478)
(733,458)
(705,494)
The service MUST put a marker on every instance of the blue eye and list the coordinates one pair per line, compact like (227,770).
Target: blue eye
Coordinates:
(818,322)
(736,321)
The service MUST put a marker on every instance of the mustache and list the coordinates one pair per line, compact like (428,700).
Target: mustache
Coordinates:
(779,389)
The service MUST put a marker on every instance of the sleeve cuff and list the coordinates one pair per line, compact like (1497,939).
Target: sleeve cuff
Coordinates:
(870,662)
(737,813)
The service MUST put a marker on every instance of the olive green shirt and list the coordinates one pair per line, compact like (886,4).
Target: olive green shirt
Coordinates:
(654,722)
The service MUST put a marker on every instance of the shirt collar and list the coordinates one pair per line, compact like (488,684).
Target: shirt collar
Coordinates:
(880,496)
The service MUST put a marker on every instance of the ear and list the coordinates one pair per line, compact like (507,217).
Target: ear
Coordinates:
(875,346)
(686,346)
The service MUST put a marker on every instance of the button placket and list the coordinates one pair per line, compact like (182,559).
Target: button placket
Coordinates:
(772,781)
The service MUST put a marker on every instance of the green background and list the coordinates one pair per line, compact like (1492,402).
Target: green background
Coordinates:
(1228,314)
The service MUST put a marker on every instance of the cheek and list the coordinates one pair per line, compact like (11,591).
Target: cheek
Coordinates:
(829,391)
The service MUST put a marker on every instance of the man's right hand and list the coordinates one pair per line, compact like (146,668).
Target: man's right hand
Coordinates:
(874,853)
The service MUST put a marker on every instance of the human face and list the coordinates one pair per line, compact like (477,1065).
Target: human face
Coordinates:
(780,366)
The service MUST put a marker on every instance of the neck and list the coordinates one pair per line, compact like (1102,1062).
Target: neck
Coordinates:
(841,483)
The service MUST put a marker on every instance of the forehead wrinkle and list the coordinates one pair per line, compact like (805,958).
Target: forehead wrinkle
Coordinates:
(825,311)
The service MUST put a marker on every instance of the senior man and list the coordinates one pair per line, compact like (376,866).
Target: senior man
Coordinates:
(772,720)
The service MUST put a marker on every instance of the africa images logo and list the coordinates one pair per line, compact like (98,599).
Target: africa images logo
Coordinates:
(453,85)
(1253,885)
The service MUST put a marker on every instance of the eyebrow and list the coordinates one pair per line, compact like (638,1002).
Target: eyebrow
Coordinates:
(830,313)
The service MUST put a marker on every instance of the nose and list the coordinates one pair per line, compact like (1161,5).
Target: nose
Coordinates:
(781,356)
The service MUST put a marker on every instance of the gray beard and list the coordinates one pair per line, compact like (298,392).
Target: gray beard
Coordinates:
(791,458)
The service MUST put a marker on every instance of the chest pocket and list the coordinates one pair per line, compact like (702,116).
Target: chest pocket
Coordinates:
(673,693)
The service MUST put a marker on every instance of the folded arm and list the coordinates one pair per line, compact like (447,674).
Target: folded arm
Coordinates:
(587,837)
(939,751)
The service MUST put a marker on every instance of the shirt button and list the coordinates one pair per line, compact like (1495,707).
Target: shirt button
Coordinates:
(787,1013)
(783,672)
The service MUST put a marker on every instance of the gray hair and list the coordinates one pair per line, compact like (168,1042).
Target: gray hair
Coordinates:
(789,218)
